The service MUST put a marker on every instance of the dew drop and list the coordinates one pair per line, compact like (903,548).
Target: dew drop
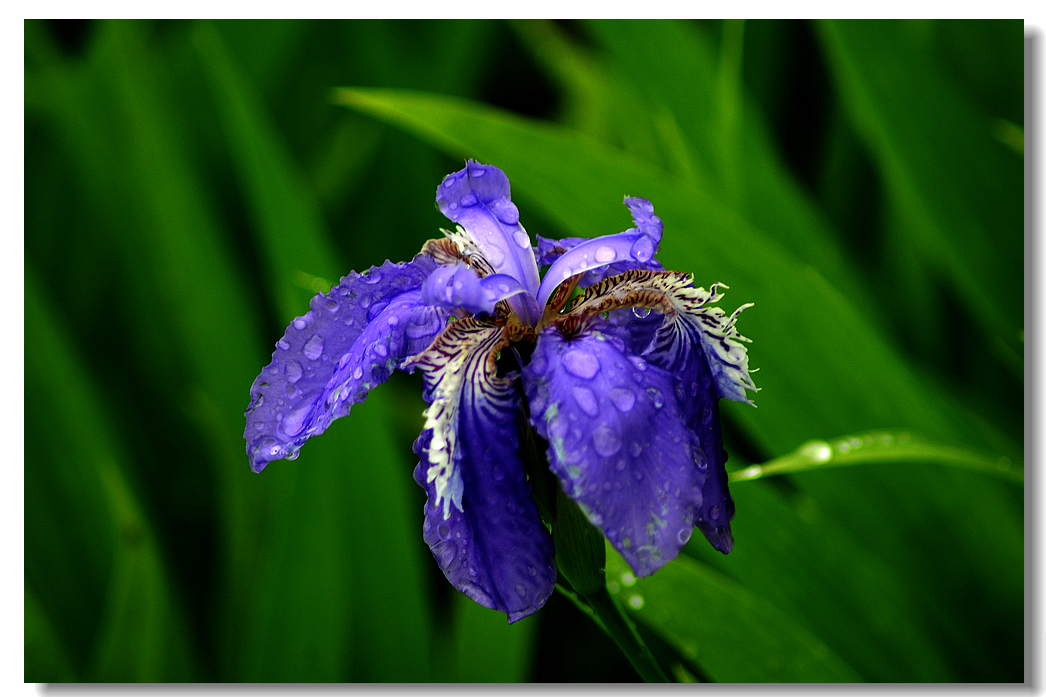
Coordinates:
(443,530)
(605,254)
(505,211)
(293,371)
(381,350)
(643,249)
(635,448)
(365,301)
(294,423)
(393,320)
(358,373)
(521,590)
(641,312)
(313,348)
(606,442)
(817,451)
(684,535)
(586,400)
(300,323)
(620,466)
(468,200)
(284,344)
(628,580)
(291,390)
(656,397)
(581,363)
(713,513)
(624,399)
(331,305)
(522,239)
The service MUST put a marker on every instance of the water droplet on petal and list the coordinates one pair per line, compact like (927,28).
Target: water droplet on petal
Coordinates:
(468,200)
(300,323)
(293,371)
(505,211)
(641,312)
(284,344)
(522,239)
(605,254)
(443,530)
(656,397)
(684,535)
(521,590)
(313,348)
(381,350)
(393,320)
(581,363)
(714,513)
(643,249)
(635,448)
(291,390)
(358,373)
(606,442)
(365,301)
(623,398)
(331,305)
(294,423)
(586,400)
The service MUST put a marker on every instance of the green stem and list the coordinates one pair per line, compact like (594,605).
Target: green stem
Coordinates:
(623,631)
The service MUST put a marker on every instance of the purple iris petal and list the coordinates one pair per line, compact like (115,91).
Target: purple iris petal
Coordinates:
(479,199)
(460,286)
(699,409)
(601,257)
(327,360)
(617,441)
(481,521)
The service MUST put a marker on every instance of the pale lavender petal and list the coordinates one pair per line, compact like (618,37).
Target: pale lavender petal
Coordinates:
(481,521)
(350,341)
(617,441)
(478,198)
(601,257)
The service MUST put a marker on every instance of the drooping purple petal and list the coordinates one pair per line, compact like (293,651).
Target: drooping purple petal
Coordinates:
(699,408)
(350,341)
(481,521)
(478,198)
(601,257)
(460,286)
(699,346)
(617,441)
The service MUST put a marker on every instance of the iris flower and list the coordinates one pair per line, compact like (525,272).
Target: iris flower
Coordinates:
(616,363)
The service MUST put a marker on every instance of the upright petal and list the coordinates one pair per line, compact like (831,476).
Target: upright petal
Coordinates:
(478,198)
(617,441)
(481,521)
(598,258)
(460,286)
(350,341)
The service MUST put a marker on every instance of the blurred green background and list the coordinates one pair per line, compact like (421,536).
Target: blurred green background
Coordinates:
(190,185)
